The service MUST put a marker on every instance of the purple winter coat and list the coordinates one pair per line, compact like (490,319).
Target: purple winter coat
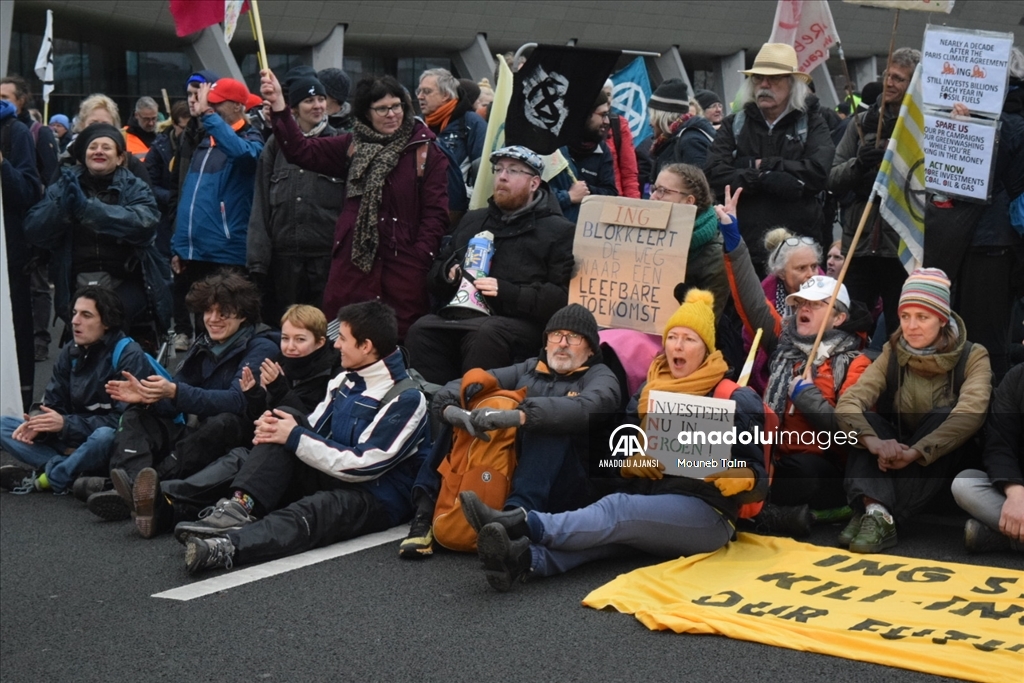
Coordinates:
(413,217)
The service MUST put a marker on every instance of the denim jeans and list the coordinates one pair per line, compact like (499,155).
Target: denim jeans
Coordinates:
(666,525)
(61,470)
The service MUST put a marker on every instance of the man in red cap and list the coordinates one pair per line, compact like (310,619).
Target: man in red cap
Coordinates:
(216,196)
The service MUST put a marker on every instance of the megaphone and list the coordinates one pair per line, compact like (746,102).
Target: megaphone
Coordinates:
(468,302)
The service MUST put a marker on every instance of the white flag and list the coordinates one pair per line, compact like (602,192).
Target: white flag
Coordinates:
(807,25)
(44,62)
(232,10)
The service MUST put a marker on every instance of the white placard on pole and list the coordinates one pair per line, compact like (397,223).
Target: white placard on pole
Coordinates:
(966,66)
(958,155)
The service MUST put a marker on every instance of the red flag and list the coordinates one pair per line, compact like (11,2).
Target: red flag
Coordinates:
(195,15)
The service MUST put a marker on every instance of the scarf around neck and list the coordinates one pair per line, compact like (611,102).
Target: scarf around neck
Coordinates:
(438,119)
(375,156)
(705,227)
(701,382)
(791,354)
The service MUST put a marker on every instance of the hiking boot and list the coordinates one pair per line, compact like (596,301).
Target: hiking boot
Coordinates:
(208,553)
(16,477)
(42,353)
(504,561)
(227,515)
(145,497)
(420,541)
(109,505)
(833,515)
(123,486)
(86,486)
(786,520)
(181,342)
(850,531)
(979,538)
(877,532)
(479,515)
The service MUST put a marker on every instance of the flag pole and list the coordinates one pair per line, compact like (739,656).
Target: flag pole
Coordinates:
(888,68)
(259,34)
(849,92)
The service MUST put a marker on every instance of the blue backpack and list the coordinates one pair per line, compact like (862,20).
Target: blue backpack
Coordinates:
(157,368)
(1017,214)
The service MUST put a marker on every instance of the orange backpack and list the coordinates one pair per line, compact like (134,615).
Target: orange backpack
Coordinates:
(725,389)
(483,467)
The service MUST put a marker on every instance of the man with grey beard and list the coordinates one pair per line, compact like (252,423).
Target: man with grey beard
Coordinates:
(778,149)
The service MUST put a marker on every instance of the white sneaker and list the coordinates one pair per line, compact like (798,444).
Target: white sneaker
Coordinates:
(182,342)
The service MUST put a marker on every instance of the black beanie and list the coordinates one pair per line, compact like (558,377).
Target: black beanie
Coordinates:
(96,130)
(302,87)
(672,95)
(336,83)
(578,319)
(706,98)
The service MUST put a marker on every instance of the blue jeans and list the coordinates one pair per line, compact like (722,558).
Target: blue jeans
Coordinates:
(666,525)
(61,469)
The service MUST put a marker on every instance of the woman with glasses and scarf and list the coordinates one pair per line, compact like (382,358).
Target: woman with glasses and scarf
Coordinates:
(396,209)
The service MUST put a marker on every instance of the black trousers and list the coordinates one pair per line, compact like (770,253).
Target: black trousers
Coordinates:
(443,350)
(870,277)
(808,479)
(983,298)
(24,336)
(295,280)
(907,491)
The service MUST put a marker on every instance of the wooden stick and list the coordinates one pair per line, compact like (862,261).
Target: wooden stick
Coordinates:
(849,93)
(888,68)
(264,62)
(167,101)
(749,364)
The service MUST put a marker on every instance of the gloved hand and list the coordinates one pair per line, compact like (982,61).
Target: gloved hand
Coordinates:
(489,419)
(636,467)
(869,157)
(782,185)
(459,418)
(797,385)
(733,480)
(74,199)
(730,230)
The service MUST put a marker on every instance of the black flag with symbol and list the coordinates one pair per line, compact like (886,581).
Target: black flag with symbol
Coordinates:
(553,95)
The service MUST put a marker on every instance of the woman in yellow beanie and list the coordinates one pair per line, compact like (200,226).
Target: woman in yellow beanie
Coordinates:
(665,516)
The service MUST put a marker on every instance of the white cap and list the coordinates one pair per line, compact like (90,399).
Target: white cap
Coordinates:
(819,288)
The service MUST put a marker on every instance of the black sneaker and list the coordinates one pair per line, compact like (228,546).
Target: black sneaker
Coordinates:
(792,521)
(123,485)
(227,515)
(16,477)
(145,494)
(479,515)
(504,561)
(208,553)
(86,486)
(979,538)
(420,541)
(109,505)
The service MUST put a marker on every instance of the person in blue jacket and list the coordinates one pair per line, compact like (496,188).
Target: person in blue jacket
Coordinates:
(591,166)
(206,391)
(216,196)
(72,431)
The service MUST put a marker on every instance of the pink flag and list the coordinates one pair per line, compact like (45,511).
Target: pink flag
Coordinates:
(806,25)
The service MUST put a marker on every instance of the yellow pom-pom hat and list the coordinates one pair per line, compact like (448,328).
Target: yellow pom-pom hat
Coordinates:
(697,313)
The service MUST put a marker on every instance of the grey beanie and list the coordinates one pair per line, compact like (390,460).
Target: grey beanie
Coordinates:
(336,83)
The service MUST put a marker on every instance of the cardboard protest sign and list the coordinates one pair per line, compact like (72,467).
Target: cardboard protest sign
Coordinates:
(692,436)
(966,66)
(958,155)
(630,253)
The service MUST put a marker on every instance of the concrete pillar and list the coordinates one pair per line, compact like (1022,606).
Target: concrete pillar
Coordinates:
(209,51)
(670,65)
(824,88)
(476,61)
(330,53)
(728,78)
(6,19)
(864,71)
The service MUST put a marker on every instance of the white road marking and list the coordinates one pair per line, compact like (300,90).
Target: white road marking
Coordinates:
(285,564)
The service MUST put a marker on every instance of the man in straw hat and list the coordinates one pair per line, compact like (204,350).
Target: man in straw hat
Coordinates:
(778,149)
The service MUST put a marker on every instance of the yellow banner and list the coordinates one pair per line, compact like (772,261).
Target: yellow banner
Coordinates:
(937,617)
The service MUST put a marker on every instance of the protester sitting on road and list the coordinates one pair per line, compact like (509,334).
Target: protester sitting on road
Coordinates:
(591,169)
(808,476)
(291,226)
(664,516)
(914,410)
(98,221)
(71,433)
(995,498)
(396,207)
(566,385)
(153,432)
(679,136)
(527,282)
(349,467)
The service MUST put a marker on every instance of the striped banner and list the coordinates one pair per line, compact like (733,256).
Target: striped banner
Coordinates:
(900,180)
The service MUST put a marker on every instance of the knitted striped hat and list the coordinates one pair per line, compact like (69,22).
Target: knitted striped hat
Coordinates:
(929,289)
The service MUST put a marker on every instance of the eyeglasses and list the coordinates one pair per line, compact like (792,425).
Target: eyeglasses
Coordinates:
(773,80)
(895,78)
(813,305)
(512,172)
(571,338)
(424,91)
(384,111)
(659,190)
